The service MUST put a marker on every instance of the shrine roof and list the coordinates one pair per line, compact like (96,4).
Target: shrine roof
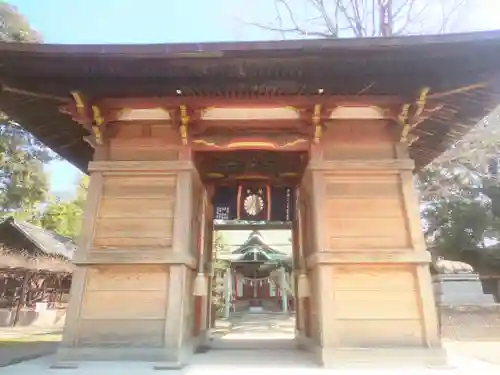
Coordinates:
(256,242)
(462,71)
(24,245)
(255,247)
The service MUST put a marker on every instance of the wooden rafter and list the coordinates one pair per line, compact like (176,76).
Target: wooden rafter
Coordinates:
(326,101)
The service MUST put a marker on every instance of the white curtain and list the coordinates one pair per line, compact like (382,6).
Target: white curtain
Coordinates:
(239,287)
(272,288)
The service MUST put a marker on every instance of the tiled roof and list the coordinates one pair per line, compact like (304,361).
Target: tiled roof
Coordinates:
(46,241)
(462,71)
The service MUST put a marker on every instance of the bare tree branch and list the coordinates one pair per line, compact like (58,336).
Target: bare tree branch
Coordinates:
(362,18)
(410,18)
(330,25)
(279,19)
(447,15)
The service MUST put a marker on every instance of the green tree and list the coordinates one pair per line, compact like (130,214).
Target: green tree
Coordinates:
(23,182)
(458,192)
(219,266)
(65,218)
(457,225)
(14,27)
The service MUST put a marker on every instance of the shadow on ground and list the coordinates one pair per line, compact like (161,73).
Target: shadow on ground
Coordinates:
(19,349)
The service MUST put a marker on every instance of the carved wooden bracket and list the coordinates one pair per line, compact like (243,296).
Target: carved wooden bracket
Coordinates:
(90,116)
(316,121)
(97,124)
(410,116)
(79,103)
(184,123)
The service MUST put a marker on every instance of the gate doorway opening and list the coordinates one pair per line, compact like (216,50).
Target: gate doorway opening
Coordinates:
(255,246)
(253,290)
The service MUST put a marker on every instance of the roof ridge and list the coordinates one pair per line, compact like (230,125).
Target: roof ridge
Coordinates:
(41,229)
(191,50)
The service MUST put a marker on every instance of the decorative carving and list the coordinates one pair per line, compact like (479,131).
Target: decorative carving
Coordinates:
(403,116)
(316,121)
(410,115)
(79,102)
(269,142)
(97,123)
(240,164)
(183,129)
(93,121)
(253,204)
(443,266)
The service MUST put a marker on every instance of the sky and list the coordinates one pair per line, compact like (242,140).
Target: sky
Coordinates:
(167,21)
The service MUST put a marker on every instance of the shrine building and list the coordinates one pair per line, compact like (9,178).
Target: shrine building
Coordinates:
(259,278)
(321,135)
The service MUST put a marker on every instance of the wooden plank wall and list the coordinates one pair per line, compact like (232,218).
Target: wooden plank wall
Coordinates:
(136,212)
(371,202)
(365,301)
(146,140)
(376,305)
(124,305)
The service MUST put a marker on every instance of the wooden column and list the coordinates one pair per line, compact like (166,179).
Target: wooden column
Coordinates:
(307,247)
(209,243)
(22,296)
(203,245)
(296,243)
(370,278)
(180,301)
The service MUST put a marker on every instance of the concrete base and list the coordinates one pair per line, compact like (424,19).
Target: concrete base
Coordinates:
(460,289)
(160,358)
(384,357)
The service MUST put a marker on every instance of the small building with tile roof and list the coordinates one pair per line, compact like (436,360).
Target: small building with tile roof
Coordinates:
(35,271)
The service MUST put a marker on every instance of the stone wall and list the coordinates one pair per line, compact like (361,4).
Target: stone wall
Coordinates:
(470,322)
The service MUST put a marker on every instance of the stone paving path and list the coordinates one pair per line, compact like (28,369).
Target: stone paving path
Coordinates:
(242,362)
(262,354)
(256,331)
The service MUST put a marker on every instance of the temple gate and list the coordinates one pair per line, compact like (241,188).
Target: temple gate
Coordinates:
(344,124)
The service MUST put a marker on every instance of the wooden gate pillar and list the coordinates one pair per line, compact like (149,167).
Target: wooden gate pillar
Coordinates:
(131,296)
(368,266)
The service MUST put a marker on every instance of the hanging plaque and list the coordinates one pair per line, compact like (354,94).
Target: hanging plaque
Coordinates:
(282,203)
(224,203)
